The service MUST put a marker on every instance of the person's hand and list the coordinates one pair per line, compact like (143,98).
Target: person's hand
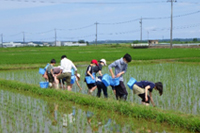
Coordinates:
(118,75)
(146,99)
(92,77)
(113,76)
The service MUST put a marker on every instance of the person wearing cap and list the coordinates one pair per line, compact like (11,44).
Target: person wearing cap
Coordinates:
(89,72)
(120,66)
(66,66)
(141,89)
(78,76)
(97,69)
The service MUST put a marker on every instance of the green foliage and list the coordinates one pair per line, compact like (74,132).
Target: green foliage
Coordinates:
(42,55)
(176,119)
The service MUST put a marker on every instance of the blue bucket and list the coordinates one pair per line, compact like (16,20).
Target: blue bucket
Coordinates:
(45,68)
(72,73)
(41,71)
(44,84)
(106,79)
(89,80)
(73,79)
(114,81)
(131,82)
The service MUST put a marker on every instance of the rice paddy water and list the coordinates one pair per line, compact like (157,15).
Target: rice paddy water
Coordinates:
(180,82)
(22,112)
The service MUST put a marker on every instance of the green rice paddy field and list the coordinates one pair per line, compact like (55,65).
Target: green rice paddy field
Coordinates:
(178,69)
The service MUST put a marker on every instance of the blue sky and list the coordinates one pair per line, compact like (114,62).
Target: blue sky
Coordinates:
(118,19)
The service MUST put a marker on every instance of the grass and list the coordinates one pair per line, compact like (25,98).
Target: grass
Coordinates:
(177,119)
(42,55)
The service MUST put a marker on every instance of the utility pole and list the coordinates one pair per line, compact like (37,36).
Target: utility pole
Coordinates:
(141,29)
(96,32)
(55,36)
(23,37)
(171,30)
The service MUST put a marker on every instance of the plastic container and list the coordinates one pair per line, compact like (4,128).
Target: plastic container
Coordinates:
(73,79)
(45,68)
(106,79)
(41,71)
(89,80)
(114,81)
(44,84)
(131,82)
(72,73)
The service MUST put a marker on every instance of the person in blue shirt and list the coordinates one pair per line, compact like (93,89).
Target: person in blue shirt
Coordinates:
(120,66)
(143,87)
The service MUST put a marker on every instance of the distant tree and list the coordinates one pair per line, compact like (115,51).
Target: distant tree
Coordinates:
(135,42)
(194,39)
(81,41)
(87,42)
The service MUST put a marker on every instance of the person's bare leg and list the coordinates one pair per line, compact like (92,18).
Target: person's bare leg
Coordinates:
(69,88)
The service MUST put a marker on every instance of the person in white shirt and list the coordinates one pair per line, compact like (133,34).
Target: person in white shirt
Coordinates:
(66,66)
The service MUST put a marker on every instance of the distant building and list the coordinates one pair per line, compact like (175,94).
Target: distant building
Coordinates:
(12,44)
(74,44)
(152,42)
(32,44)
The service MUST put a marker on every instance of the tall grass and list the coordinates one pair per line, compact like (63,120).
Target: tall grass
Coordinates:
(177,119)
(181,84)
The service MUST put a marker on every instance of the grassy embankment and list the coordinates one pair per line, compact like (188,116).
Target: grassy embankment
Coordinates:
(177,119)
(34,57)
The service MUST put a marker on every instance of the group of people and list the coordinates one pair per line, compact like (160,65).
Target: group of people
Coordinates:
(140,88)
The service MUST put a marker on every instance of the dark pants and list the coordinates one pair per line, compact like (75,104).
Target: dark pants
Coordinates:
(143,98)
(101,86)
(121,91)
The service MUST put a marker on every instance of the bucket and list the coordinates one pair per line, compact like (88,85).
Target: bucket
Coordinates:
(131,82)
(44,84)
(72,73)
(114,81)
(106,79)
(45,68)
(73,79)
(41,71)
(89,80)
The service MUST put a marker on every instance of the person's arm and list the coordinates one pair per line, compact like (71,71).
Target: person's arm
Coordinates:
(100,73)
(52,72)
(78,85)
(114,64)
(119,74)
(146,92)
(88,72)
(151,98)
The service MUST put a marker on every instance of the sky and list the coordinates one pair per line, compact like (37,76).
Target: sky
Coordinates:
(73,20)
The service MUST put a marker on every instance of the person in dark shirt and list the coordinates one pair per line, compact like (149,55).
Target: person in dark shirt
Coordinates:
(141,89)
(89,72)
(97,69)
(101,86)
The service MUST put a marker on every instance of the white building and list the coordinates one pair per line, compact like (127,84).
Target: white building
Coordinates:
(74,44)
(12,44)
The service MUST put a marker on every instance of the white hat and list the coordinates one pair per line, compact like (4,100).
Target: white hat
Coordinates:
(78,75)
(104,61)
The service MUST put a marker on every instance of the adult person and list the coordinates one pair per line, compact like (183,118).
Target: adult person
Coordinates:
(142,88)
(66,66)
(120,66)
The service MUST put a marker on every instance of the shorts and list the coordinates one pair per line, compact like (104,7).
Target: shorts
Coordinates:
(137,90)
(143,98)
(65,75)
(50,77)
(90,86)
